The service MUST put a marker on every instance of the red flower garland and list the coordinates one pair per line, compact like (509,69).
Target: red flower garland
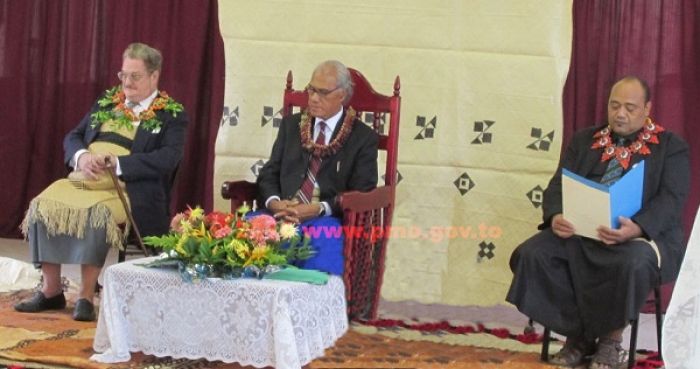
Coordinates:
(623,154)
(336,144)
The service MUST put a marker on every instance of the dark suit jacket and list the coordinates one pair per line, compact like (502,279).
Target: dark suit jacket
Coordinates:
(353,167)
(148,171)
(666,185)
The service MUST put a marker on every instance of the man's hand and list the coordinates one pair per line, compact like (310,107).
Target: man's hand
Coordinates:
(627,231)
(91,164)
(292,211)
(276,206)
(110,161)
(305,212)
(562,227)
(283,209)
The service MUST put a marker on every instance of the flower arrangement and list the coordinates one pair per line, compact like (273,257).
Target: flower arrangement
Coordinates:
(113,107)
(229,244)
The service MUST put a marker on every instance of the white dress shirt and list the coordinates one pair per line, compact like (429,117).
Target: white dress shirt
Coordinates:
(331,123)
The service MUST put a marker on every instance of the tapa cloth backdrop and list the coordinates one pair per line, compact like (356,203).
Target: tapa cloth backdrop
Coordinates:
(481,120)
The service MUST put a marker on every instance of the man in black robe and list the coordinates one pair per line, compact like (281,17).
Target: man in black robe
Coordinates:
(589,289)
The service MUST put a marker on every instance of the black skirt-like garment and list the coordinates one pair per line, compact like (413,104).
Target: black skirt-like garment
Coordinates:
(580,287)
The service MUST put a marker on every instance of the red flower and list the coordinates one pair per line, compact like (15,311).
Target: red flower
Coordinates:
(217,218)
(263,222)
(222,232)
(601,139)
(644,150)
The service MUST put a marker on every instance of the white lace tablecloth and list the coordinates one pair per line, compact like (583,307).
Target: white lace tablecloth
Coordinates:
(249,321)
(681,329)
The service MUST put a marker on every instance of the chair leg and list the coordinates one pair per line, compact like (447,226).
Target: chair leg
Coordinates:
(530,329)
(633,343)
(659,318)
(544,355)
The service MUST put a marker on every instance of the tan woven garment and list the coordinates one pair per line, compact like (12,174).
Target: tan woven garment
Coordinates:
(64,206)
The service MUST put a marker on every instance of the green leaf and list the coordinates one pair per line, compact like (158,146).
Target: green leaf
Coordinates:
(190,247)
(277,259)
(166,242)
(99,117)
(106,100)
(151,124)
(122,122)
(173,107)
(300,252)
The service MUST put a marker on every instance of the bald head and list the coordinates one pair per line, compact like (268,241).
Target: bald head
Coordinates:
(628,105)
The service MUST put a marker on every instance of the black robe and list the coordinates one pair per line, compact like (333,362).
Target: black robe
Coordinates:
(579,286)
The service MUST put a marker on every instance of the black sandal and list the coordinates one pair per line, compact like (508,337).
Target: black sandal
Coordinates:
(573,353)
(609,355)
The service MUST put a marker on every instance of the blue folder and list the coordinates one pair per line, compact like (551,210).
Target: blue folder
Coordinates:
(625,195)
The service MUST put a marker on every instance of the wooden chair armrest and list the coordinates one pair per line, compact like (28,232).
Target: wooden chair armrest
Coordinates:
(356,201)
(239,192)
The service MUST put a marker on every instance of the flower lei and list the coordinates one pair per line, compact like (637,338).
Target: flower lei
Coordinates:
(113,108)
(323,151)
(623,154)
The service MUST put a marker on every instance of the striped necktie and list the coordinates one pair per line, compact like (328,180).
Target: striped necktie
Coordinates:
(306,191)
(614,170)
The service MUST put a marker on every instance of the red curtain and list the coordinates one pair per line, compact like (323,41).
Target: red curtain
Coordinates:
(57,56)
(657,40)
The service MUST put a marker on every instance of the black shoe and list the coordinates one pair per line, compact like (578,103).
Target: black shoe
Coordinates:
(40,303)
(84,311)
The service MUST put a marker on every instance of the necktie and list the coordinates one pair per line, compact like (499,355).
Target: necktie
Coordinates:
(614,170)
(307,187)
(131,105)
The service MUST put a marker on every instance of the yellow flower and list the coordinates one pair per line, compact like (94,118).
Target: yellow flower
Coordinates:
(180,247)
(185,226)
(240,248)
(288,230)
(259,253)
(201,232)
(196,214)
(243,209)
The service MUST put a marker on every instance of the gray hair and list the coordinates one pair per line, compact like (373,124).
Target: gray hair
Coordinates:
(151,57)
(342,77)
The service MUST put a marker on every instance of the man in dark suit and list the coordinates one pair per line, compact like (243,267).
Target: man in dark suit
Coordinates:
(589,289)
(317,155)
(136,129)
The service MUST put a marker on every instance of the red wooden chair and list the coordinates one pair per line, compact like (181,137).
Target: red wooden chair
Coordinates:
(369,211)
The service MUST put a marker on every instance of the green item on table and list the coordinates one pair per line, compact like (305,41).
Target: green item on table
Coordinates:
(294,274)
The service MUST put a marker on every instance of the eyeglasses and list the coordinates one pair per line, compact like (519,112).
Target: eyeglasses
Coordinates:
(135,76)
(322,92)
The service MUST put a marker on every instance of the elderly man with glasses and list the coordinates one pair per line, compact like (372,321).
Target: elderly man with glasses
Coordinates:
(318,154)
(139,132)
